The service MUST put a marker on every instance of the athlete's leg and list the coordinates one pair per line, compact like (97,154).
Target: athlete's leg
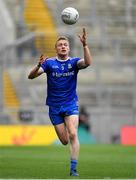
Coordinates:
(62,133)
(58,122)
(72,127)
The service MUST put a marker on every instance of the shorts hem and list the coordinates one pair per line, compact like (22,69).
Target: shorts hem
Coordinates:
(72,114)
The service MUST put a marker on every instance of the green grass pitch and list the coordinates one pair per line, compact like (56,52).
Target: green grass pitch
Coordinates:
(52,162)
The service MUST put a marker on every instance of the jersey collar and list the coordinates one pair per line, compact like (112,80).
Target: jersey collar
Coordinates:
(61,60)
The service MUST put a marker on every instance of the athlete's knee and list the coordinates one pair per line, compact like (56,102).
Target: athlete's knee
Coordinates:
(73,135)
(64,141)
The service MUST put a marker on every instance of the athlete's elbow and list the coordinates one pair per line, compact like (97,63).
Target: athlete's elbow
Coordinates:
(30,76)
(88,64)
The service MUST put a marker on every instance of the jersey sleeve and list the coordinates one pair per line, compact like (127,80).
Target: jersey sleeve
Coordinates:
(76,59)
(44,66)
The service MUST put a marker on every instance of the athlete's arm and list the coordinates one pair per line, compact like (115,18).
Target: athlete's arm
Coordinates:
(87,60)
(37,70)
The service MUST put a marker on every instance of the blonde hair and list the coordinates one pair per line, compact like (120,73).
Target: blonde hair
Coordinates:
(61,38)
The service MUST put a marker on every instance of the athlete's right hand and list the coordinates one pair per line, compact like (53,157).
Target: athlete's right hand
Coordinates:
(42,59)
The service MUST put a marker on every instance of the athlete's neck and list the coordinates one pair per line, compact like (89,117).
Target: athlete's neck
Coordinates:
(62,57)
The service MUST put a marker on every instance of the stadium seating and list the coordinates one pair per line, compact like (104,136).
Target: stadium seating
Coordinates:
(38,18)
(10,95)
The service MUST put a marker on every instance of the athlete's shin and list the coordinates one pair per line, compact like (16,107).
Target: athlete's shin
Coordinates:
(74,146)
(74,153)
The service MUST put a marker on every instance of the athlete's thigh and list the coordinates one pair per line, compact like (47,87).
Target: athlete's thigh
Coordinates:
(61,132)
(72,122)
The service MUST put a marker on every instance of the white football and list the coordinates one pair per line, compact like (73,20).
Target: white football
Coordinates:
(69,15)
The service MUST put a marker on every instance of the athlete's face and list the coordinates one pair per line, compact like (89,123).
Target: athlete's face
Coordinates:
(62,48)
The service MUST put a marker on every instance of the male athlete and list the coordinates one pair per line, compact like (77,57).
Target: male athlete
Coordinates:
(62,98)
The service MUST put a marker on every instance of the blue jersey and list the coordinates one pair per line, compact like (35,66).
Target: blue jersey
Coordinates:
(61,81)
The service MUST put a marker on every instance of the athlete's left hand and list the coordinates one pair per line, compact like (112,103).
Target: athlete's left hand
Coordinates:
(83,38)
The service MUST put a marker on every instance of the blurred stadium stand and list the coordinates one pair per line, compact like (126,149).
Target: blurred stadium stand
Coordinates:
(107,89)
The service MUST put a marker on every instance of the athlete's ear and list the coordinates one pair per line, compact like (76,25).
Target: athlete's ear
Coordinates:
(55,48)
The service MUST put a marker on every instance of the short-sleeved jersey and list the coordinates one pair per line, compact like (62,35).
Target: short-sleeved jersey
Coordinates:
(61,80)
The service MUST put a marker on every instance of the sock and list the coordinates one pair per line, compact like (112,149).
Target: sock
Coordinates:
(73,164)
